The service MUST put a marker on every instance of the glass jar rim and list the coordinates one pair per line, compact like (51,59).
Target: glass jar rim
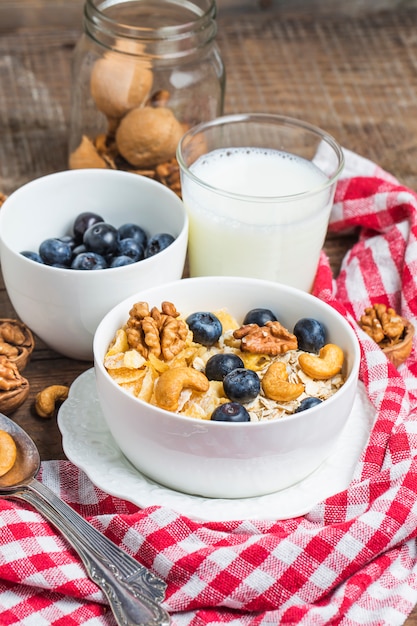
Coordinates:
(94,12)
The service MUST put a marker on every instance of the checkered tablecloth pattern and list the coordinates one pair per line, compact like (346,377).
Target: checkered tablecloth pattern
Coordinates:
(352,560)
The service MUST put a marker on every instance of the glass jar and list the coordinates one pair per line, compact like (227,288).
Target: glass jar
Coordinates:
(144,71)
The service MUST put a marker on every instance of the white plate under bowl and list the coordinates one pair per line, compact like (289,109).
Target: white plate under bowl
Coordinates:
(87,442)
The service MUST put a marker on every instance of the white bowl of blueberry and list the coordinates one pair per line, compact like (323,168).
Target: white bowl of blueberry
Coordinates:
(75,243)
(225,387)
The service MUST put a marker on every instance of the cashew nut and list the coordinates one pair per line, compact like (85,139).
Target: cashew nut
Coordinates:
(276,386)
(8,452)
(171,383)
(47,399)
(326,364)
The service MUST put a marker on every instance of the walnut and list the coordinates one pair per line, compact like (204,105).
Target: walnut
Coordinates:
(168,173)
(16,346)
(14,388)
(16,342)
(159,98)
(393,333)
(147,136)
(156,332)
(86,156)
(102,153)
(120,83)
(383,324)
(10,376)
(270,339)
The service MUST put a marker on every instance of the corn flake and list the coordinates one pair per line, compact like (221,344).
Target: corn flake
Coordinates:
(138,375)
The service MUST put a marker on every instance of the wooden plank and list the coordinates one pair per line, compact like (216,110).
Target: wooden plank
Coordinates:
(17,15)
(350,67)
(23,15)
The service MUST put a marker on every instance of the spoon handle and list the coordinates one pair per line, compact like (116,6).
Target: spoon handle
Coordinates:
(133,592)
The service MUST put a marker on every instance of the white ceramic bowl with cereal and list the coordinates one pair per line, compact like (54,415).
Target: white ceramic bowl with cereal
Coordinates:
(223,459)
(64,306)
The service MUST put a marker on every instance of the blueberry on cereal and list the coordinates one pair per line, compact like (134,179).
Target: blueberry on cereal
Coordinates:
(205,326)
(307,403)
(310,333)
(259,317)
(242,385)
(219,365)
(230,412)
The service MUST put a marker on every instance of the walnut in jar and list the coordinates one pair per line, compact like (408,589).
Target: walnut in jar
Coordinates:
(86,155)
(120,83)
(148,136)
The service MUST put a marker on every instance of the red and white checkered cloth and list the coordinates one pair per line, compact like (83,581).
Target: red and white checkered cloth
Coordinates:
(352,560)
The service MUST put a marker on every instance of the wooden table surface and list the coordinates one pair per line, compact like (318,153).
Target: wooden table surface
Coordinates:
(350,69)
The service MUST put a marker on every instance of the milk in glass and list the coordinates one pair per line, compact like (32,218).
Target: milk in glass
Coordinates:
(259,213)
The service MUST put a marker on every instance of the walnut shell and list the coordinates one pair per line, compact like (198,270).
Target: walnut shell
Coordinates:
(148,136)
(17,339)
(86,156)
(120,83)
(397,353)
(12,399)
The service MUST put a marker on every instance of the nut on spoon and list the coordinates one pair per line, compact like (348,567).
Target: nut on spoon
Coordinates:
(134,593)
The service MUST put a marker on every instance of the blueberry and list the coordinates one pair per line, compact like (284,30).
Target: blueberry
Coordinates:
(230,412)
(89,261)
(130,247)
(33,256)
(205,326)
(241,385)
(82,222)
(102,238)
(54,251)
(133,231)
(307,403)
(78,249)
(310,333)
(69,240)
(119,261)
(157,243)
(221,364)
(259,316)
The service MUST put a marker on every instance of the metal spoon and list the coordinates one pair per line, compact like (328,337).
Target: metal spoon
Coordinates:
(133,592)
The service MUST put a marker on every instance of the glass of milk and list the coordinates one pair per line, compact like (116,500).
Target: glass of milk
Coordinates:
(258,189)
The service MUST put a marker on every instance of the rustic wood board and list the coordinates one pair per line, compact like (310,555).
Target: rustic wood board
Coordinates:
(348,67)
